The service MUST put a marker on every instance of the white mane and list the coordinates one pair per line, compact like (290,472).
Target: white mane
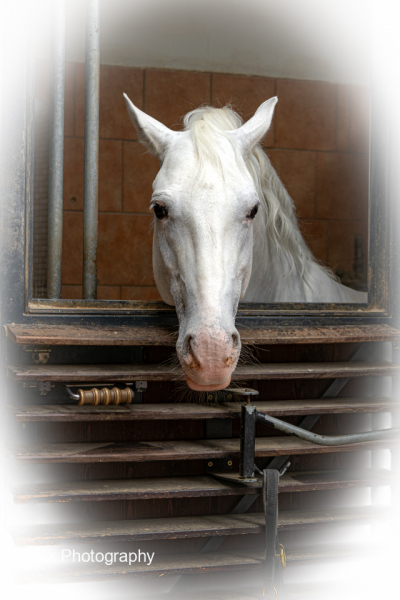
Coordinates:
(278,218)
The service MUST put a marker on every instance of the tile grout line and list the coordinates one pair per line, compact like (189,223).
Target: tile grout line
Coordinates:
(350,116)
(74,106)
(275,116)
(144,90)
(336,117)
(315,184)
(122,176)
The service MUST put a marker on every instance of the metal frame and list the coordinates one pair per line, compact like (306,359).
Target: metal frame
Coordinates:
(19,306)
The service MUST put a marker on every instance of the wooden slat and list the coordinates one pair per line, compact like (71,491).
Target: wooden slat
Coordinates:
(156,336)
(327,589)
(176,450)
(127,373)
(298,591)
(189,527)
(179,564)
(138,412)
(189,487)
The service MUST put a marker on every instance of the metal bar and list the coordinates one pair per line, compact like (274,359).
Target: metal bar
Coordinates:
(91,182)
(333,390)
(247,441)
(328,440)
(56,153)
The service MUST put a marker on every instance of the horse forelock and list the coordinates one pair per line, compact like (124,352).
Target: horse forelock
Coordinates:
(277,211)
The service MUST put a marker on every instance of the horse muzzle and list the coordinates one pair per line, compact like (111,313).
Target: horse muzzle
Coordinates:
(208,357)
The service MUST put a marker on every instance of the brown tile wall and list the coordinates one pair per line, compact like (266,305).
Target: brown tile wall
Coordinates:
(318,143)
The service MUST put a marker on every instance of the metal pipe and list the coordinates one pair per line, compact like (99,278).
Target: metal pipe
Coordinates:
(91,181)
(56,153)
(71,394)
(328,440)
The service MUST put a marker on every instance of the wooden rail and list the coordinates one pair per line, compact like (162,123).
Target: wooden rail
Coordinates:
(127,373)
(156,412)
(180,564)
(75,335)
(177,450)
(190,527)
(191,487)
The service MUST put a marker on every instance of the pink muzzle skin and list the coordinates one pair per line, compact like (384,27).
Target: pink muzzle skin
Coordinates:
(207,388)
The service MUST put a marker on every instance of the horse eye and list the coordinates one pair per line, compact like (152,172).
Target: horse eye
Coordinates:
(253,212)
(160,211)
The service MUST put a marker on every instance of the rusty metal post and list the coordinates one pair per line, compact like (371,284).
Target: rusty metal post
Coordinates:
(91,184)
(56,152)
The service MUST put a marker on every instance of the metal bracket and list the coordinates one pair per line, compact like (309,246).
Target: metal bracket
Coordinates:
(140,387)
(215,429)
(40,356)
(45,387)
(219,464)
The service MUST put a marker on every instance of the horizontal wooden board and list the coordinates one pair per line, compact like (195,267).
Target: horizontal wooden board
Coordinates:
(189,487)
(328,590)
(189,527)
(180,564)
(75,335)
(180,410)
(176,450)
(128,373)
(177,564)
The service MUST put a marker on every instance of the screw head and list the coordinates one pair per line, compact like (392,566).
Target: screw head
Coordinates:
(210,397)
(210,464)
(230,463)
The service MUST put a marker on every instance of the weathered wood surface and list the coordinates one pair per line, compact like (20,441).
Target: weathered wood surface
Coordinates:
(156,336)
(179,564)
(192,487)
(189,527)
(328,590)
(177,450)
(128,373)
(180,410)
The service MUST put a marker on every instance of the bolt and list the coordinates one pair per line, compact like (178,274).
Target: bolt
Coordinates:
(210,397)
(210,464)
(229,463)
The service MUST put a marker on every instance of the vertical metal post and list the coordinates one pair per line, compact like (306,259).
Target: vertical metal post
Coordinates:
(91,184)
(247,441)
(56,152)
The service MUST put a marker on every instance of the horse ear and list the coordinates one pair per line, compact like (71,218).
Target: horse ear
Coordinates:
(252,132)
(151,133)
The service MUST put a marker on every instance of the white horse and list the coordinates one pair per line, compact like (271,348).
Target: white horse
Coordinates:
(225,230)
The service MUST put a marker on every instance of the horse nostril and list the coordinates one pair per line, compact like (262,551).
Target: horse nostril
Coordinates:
(235,341)
(189,354)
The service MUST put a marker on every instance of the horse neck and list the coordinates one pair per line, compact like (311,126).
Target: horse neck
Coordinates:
(273,279)
(283,266)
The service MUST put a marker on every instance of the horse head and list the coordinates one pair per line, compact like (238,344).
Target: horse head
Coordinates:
(204,202)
